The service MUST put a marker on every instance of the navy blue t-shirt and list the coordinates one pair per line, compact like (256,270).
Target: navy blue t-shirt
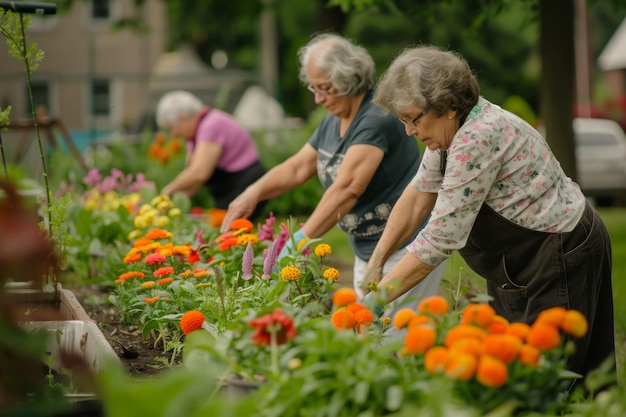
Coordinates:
(364,224)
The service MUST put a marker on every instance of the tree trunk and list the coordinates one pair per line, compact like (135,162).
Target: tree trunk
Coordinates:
(557,80)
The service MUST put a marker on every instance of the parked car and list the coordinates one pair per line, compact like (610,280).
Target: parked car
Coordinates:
(601,159)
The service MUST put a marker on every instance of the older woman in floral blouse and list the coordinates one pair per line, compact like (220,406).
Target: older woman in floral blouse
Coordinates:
(497,194)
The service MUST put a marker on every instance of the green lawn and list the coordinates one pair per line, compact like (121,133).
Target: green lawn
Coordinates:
(615,219)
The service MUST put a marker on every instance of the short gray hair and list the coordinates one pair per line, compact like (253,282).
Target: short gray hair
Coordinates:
(428,78)
(350,67)
(175,104)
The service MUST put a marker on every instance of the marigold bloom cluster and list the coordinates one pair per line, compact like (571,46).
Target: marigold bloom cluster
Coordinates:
(241,223)
(344,296)
(290,273)
(152,300)
(331,274)
(482,345)
(351,316)
(323,249)
(275,323)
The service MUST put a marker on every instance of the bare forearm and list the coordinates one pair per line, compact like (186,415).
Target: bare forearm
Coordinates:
(406,217)
(406,274)
(333,206)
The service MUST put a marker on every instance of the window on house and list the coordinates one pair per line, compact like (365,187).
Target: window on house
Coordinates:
(41,96)
(101,98)
(100,9)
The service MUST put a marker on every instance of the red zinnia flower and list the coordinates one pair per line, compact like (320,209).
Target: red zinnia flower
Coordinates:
(155,258)
(166,270)
(276,322)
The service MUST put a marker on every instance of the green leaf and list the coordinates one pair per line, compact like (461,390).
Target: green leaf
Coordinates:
(395,395)
(361,390)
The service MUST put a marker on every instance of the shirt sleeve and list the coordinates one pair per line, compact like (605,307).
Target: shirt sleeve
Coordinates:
(472,166)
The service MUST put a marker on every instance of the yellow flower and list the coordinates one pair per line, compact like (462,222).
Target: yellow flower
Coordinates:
(161,221)
(147,284)
(323,249)
(203,285)
(290,273)
(174,212)
(134,234)
(302,242)
(330,273)
(243,239)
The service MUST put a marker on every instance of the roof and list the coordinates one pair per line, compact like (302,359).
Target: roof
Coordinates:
(613,56)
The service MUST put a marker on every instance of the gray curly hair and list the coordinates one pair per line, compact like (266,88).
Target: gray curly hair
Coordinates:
(428,78)
(350,67)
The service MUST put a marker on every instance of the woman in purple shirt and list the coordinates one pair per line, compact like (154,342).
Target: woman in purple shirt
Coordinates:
(221,154)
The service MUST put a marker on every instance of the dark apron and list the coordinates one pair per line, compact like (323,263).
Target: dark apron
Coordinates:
(529,271)
(225,186)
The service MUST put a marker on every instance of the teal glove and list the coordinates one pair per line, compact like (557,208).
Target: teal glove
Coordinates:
(289,246)
(373,305)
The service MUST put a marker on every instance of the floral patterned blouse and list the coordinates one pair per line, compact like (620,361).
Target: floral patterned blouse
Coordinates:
(497,159)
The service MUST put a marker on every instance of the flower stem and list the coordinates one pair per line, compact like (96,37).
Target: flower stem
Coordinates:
(274,349)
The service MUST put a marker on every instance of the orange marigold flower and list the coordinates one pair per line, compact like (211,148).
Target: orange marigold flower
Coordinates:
(435,304)
(323,249)
(132,256)
(131,274)
(201,273)
(343,319)
(216,216)
(344,296)
(355,307)
(165,281)
(419,339)
(553,316)
(402,317)
(147,284)
(142,241)
(575,323)
(435,359)
(156,234)
(463,331)
(529,355)
(504,347)
(241,223)
(478,314)
(469,345)
(331,274)
(543,336)
(166,270)
(227,243)
(191,321)
(151,300)
(461,366)
(184,250)
(498,325)
(290,273)
(491,372)
(520,330)
(419,319)
(364,317)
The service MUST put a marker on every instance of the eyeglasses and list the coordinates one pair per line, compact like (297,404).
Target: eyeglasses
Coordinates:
(321,92)
(416,119)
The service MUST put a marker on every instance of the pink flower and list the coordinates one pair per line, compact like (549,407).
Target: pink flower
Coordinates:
(266,231)
(270,259)
(248,257)
(155,258)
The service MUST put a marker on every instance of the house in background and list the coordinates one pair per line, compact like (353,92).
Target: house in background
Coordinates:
(90,78)
(97,81)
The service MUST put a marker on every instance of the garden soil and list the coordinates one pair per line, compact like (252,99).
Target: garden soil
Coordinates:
(141,358)
(145,358)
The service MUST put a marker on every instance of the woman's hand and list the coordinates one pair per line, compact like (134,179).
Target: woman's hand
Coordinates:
(242,206)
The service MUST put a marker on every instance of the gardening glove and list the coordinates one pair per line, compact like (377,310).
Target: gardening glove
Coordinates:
(289,246)
(373,304)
